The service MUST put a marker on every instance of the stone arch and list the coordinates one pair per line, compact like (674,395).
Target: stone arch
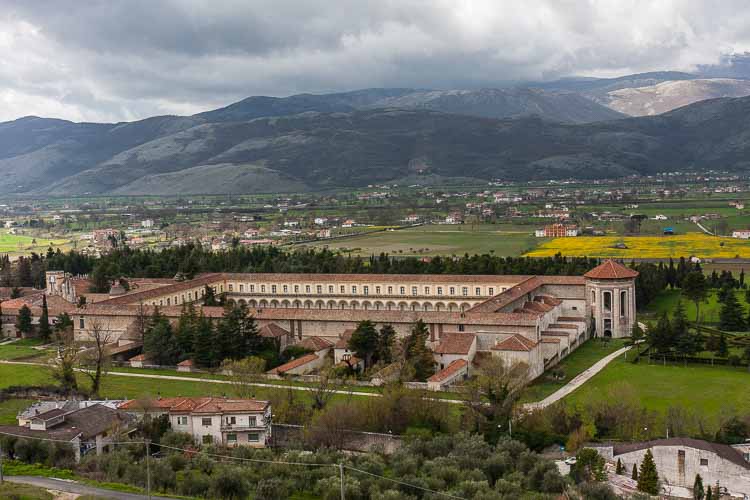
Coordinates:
(263,304)
(231,302)
(242,302)
(439,306)
(403,306)
(427,306)
(297,304)
(308,304)
(390,306)
(331,304)
(414,306)
(465,306)
(285,304)
(275,304)
(319,304)
(343,304)
(354,304)
(366,305)
(378,305)
(452,307)
(252,303)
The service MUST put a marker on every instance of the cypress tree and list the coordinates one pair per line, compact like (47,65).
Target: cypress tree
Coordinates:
(23,320)
(634,475)
(698,492)
(648,477)
(731,314)
(620,469)
(709,493)
(186,331)
(205,350)
(45,332)
(417,354)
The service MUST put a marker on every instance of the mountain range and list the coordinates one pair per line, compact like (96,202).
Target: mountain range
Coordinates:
(568,128)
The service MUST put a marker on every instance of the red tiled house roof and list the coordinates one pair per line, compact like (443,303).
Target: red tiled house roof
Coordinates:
(515,343)
(448,371)
(611,270)
(315,343)
(295,363)
(455,343)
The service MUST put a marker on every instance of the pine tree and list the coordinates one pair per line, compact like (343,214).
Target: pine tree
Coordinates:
(695,288)
(45,332)
(634,475)
(619,469)
(731,314)
(186,331)
(364,341)
(648,477)
(205,349)
(23,320)
(386,338)
(159,344)
(416,352)
(698,492)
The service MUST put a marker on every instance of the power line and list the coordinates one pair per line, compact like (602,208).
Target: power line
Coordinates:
(447,495)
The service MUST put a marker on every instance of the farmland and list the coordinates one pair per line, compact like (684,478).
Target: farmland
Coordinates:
(502,240)
(20,244)
(645,247)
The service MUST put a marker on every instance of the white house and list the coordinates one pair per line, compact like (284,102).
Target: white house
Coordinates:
(659,217)
(743,234)
(230,422)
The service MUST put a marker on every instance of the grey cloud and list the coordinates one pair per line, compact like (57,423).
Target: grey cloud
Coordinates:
(126,59)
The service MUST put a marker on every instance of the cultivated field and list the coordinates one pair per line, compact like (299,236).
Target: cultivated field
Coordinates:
(16,244)
(646,247)
(502,240)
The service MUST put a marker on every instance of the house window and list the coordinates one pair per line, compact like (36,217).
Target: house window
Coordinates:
(342,289)
(273,288)
(390,290)
(477,291)
(366,289)
(354,289)
(402,290)
(623,302)
(330,288)
(460,328)
(206,421)
(574,308)
(490,291)
(377,290)
(285,288)
(593,296)
(242,287)
(231,420)
(232,438)
(427,290)
(252,288)
(452,290)
(608,301)
(168,301)
(208,439)
(319,288)
(296,288)
(440,290)
(307,288)
(704,462)
(253,421)
(182,420)
(81,323)
(413,290)
(263,288)
(465,291)
(231,287)
(253,437)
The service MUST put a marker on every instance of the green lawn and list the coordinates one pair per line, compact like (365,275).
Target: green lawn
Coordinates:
(20,349)
(667,300)
(578,361)
(10,408)
(23,492)
(709,391)
(442,240)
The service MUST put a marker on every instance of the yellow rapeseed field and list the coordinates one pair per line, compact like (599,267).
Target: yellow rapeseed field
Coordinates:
(645,247)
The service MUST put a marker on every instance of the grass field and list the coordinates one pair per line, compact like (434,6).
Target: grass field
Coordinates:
(667,300)
(20,349)
(578,361)
(21,244)
(645,247)
(23,492)
(709,391)
(441,240)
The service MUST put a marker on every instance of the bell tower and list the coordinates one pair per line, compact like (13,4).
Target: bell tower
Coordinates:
(610,295)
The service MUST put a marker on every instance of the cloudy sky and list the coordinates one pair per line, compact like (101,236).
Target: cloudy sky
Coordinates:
(114,60)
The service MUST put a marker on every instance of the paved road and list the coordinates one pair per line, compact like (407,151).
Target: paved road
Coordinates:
(577,381)
(77,488)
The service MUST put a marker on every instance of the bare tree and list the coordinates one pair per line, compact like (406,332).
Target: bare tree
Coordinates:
(325,388)
(67,360)
(95,360)
(243,374)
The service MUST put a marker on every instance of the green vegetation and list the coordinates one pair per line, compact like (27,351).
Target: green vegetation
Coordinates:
(20,349)
(578,361)
(9,410)
(23,492)
(440,240)
(709,310)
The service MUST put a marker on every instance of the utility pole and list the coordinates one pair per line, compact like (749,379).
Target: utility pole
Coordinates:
(341,474)
(148,469)
(1,463)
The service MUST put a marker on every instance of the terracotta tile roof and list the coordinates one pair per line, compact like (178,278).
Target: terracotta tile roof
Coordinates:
(295,363)
(343,341)
(197,405)
(49,414)
(384,278)
(567,319)
(272,330)
(315,343)
(548,299)
(134,298)
(449,370)
(510,295)
(610,269)
(187,362)
(140,357)
(515,342)
(455,343)
(562,326)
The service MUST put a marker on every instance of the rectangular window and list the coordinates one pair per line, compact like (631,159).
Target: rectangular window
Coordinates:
(253,421)
(296,288)
(490,291)
(307,288)
(168,301)
(81,323)
(330,288)
(427,290)
(231,287)
(413,290)
(285,288)
(232,438)
(390,290)
(273,288)
(206,421)
(354,289)
(477,291)
(181,420)
(252,288)
(704,462)
(460,328)
(366,290)
(231,420)
(402,290)
(465,291)
(440,290)
(263,288)
(253,437)
(342,289)
(377,290)
(319,288)
(242,287)
(453,290)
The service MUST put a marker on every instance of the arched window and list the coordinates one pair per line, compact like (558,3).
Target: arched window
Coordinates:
(608,301)
(623,303)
